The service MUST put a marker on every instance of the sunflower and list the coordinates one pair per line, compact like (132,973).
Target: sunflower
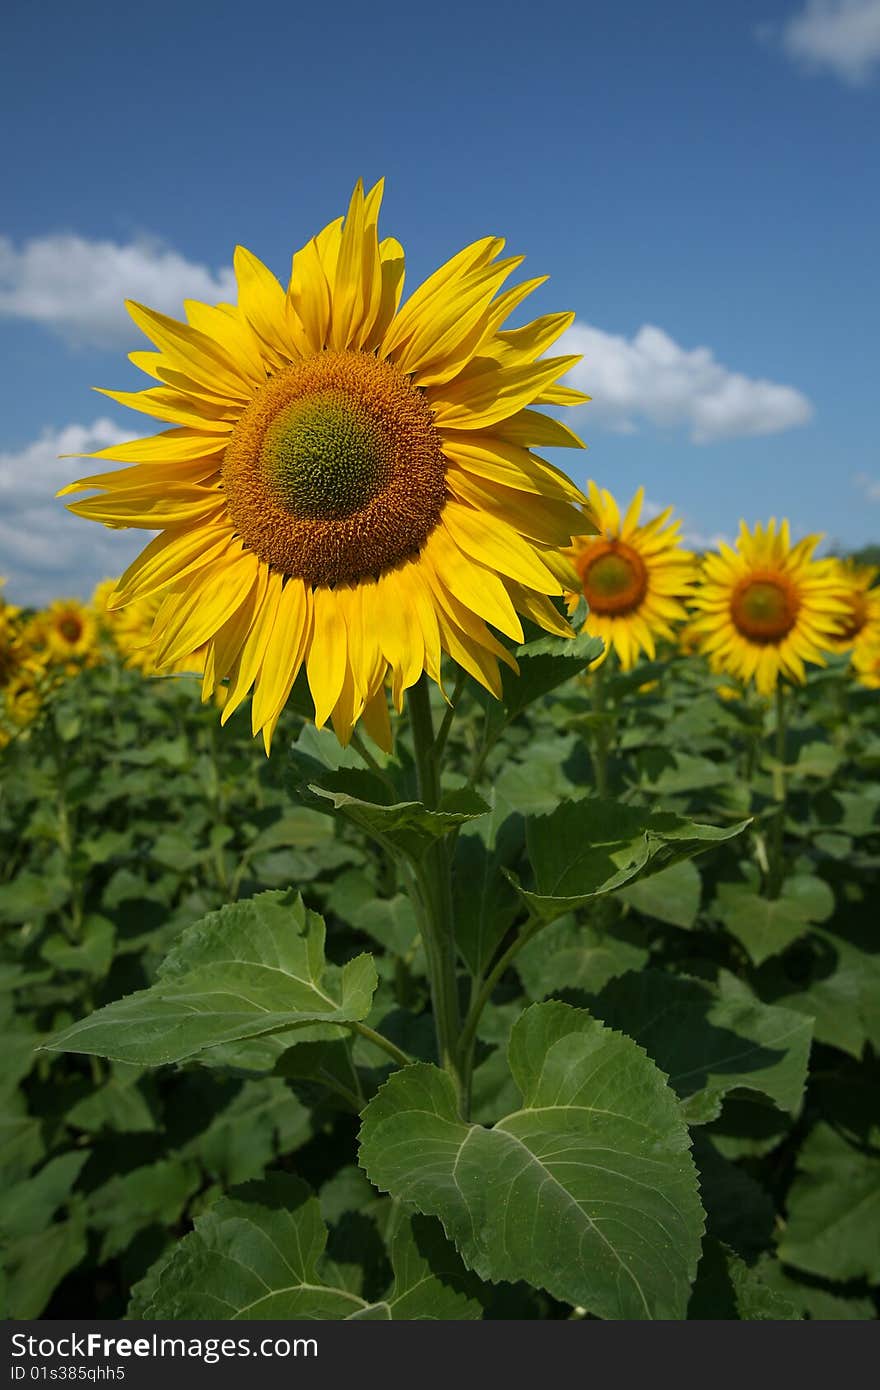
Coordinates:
(69,631)
(633,577)
(348,485)
(859,630)
(766,607)
(866,663)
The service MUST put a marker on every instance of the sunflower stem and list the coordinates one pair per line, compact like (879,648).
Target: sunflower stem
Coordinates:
(599,740)
(776,875)
(434,881)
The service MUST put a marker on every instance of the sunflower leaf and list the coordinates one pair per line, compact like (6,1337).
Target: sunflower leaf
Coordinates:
(586,1191)
(545,664)
(272,1235)
(709,1041)
(251,969)
(406,826)
(587,848)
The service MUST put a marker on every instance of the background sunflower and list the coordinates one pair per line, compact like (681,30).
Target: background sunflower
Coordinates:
(765,607)
(633,577)
(859,631)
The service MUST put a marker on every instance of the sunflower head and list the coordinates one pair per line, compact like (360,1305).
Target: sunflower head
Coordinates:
(860,626)
(70,631)
(866,663)
(765,606)
(23,700)
(349,483)
(633,576)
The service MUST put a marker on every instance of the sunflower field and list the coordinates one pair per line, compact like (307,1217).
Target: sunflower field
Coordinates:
(427,889)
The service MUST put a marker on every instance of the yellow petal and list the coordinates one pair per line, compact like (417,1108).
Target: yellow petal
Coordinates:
(169,558)
(483,395)
(529,427)
(171,446)
(497,546)
(328,654)
(421,301)
(197,354)
(284,652)
(253,648)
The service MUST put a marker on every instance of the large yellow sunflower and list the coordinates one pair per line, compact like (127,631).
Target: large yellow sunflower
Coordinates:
(633,576)
(766,607)
(348,484)
(859,630)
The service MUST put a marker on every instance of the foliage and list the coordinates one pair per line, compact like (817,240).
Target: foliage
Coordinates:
(223,1092)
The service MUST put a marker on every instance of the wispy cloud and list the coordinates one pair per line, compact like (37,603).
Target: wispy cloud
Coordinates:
(838,36)
(45,551)
(76,287)
(650,377)
(869,487)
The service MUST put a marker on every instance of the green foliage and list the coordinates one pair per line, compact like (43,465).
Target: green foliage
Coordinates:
(212,972)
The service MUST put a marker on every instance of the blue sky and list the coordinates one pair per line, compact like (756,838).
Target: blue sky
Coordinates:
(703,169)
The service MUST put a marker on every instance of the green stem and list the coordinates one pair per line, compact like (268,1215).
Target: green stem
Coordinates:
(446,725)
(379,1040)
(599,741)
(434,882)
(780,793)
(372,763)
(469,1031)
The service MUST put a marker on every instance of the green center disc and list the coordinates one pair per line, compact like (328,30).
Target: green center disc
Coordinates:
(323,457)
(611,575)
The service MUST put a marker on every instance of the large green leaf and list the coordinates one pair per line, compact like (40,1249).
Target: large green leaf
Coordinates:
(833,1226)
(406,826)
(253,968)
(590,847)
(709,1044)
(545,664)
(258,1253)
(766,926)
(587,1190)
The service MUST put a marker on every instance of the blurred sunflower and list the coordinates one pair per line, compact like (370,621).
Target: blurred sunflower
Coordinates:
(766,607)
(634,577)
(22,699)
(859,630)
(69,631)
(348,485)
(866,663)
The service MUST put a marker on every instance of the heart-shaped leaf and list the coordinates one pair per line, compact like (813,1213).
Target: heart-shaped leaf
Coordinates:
(587,1190)
(253,968)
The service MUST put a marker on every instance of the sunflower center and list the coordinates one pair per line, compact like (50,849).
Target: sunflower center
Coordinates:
(765,607)
(613,577)
(335,472)
(852,624)
(70,628)
(323,456)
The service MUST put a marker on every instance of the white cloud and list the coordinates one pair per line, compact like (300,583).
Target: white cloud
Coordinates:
(45,551)
(842,36)
(869,487)
(76,287)
(650,377)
